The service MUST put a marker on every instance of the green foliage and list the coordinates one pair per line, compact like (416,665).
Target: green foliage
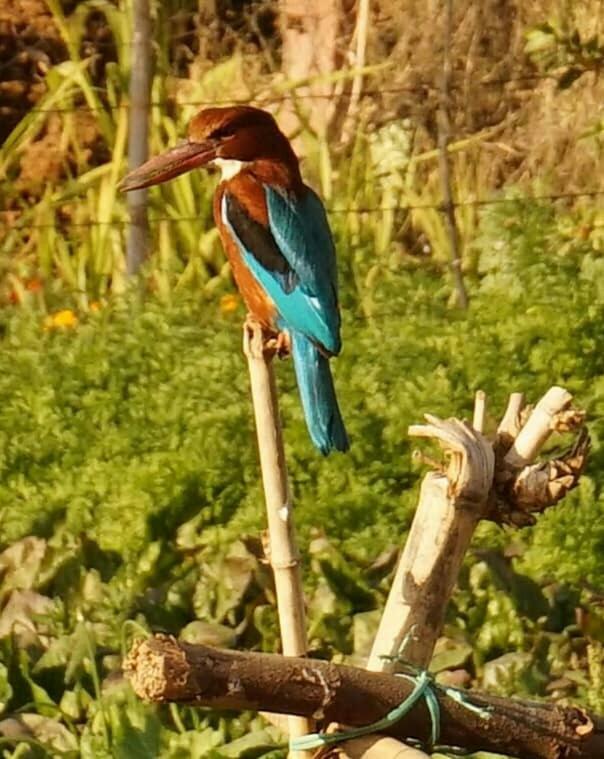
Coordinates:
(129,491)
(555,45)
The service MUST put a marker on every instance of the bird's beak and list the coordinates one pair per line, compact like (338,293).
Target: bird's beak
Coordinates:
(184,157)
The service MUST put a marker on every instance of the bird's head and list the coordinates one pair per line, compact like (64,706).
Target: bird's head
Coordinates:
(215,135)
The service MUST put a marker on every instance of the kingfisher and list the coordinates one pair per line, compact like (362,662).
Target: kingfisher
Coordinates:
(276,236)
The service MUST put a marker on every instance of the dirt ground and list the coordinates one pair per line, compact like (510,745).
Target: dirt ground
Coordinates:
(29,45)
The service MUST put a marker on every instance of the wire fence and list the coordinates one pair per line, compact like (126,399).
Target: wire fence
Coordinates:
(13,214)
(263,99)
(335,210)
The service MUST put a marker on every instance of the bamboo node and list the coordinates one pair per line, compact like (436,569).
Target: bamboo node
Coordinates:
(253,338)
(262,343)
(285,512)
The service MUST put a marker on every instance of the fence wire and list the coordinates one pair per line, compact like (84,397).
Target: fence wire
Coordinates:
(335,210)
(263,99)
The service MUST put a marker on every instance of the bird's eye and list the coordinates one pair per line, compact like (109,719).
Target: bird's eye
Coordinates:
(221,132)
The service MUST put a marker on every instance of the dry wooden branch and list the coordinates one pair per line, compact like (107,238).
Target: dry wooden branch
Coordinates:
(483,480)
(282,549)
(448,511)
(510,424)
(539,427)
(480,410)
(161,669)
(521,487)
(522,493)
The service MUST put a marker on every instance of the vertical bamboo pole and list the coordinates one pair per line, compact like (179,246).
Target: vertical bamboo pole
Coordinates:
(284,555)
(361,34)
(138,132)
(444,133)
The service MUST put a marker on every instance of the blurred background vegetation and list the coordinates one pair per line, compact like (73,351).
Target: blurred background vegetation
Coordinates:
(129,489)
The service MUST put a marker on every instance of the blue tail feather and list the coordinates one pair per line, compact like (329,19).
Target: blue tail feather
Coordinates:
(318,395)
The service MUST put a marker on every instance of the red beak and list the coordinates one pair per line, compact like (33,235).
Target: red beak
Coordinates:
(172,163)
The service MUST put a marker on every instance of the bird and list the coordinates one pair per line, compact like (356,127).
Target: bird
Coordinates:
(276,236)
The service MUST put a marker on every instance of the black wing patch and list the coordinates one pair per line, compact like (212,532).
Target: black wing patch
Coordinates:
(259,241)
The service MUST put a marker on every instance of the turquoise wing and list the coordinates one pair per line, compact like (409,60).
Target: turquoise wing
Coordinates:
(306,294)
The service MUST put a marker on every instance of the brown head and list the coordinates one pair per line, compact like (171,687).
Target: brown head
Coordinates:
(238,133)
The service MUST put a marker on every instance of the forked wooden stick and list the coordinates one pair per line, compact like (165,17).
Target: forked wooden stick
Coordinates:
(283,552)
(438,540)
(449,509)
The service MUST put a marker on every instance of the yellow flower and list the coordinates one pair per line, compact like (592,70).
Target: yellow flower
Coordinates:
(229,303)
(65,319)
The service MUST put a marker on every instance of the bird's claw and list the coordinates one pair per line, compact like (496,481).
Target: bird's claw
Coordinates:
(258,341)
(281,344)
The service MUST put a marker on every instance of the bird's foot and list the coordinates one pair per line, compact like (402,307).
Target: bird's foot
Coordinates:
(281,344)
(260,342)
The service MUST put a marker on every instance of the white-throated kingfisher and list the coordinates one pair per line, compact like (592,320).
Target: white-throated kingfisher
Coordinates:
(277,238)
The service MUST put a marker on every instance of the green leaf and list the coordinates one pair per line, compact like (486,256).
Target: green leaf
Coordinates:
(249,746)
(20,564)
(50,733)
(6,690)
(450,654)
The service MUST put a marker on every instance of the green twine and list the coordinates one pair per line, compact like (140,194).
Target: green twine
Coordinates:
(424,687)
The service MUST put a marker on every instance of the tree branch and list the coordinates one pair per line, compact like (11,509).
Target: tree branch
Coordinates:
(162,669)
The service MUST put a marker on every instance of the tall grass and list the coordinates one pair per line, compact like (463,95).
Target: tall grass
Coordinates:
(67,240)
(72,238)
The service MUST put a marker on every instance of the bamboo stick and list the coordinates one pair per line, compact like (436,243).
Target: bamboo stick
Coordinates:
(138,132)
(283,552)
(444,130)
(480,408)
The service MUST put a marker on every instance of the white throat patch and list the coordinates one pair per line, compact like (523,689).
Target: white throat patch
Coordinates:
(228,166)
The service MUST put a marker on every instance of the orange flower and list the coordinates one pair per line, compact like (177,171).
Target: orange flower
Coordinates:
(229,303)
(34,285)
(95,306)
(65,319)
